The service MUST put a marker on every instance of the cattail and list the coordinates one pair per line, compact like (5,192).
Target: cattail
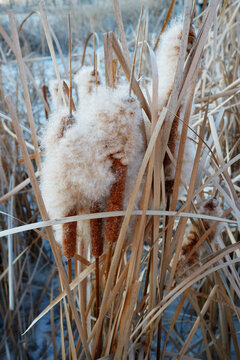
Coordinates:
(186,267)
(78,168)
(115,120)
(167,59)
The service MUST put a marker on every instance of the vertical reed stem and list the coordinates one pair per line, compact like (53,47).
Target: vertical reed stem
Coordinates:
(70,66)
(97,285)
(70,311)
(99,345)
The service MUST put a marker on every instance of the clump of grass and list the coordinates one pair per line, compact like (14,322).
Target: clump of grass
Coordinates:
(142,297)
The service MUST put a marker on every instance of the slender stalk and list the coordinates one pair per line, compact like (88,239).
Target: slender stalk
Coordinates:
(70,311)
(108,261)
(135,52)
(70,65)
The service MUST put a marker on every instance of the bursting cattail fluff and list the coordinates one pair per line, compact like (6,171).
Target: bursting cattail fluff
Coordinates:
(78,171)
(86,81)
(167,59)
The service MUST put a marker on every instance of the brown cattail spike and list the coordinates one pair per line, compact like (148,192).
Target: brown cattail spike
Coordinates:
(172,147)
(66,123)
(70,237)
(96,229)
(210,207)
(115,201)
(45,93)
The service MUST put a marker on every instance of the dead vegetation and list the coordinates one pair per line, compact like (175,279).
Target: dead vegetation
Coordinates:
(174,284)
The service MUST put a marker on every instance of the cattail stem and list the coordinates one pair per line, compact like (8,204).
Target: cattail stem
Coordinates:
(99,345)
(70,311)
(135,52)
(97,285)
(70,65)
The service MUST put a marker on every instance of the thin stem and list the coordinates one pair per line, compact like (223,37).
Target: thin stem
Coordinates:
(99,345)
(135,52)
(70,66)
(70,311)
(108,261)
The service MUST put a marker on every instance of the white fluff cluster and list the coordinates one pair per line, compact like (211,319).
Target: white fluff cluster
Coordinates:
(55,94)
(167,58)
(86,82)
(77,170)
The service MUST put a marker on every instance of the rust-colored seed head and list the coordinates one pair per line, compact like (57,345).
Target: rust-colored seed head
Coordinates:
(45,92)
(69,240)
(172,147)
(94,80)
(115,201)
(66,123)
(191,39)
(211,204)
(190,241)
(96,230)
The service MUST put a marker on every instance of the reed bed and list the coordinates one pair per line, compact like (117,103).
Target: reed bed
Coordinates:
(169,287)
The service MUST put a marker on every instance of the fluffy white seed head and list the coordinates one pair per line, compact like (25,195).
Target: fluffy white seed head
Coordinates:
(86,82)
(77,170)
(167,58)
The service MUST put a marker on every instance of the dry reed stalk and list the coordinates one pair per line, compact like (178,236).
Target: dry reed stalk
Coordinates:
(166,20)
(93,34)
(121,31)
(126,69)
(108,59)
(50,45)
(203,311)
(22,74)
(68,92)
(135,51)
